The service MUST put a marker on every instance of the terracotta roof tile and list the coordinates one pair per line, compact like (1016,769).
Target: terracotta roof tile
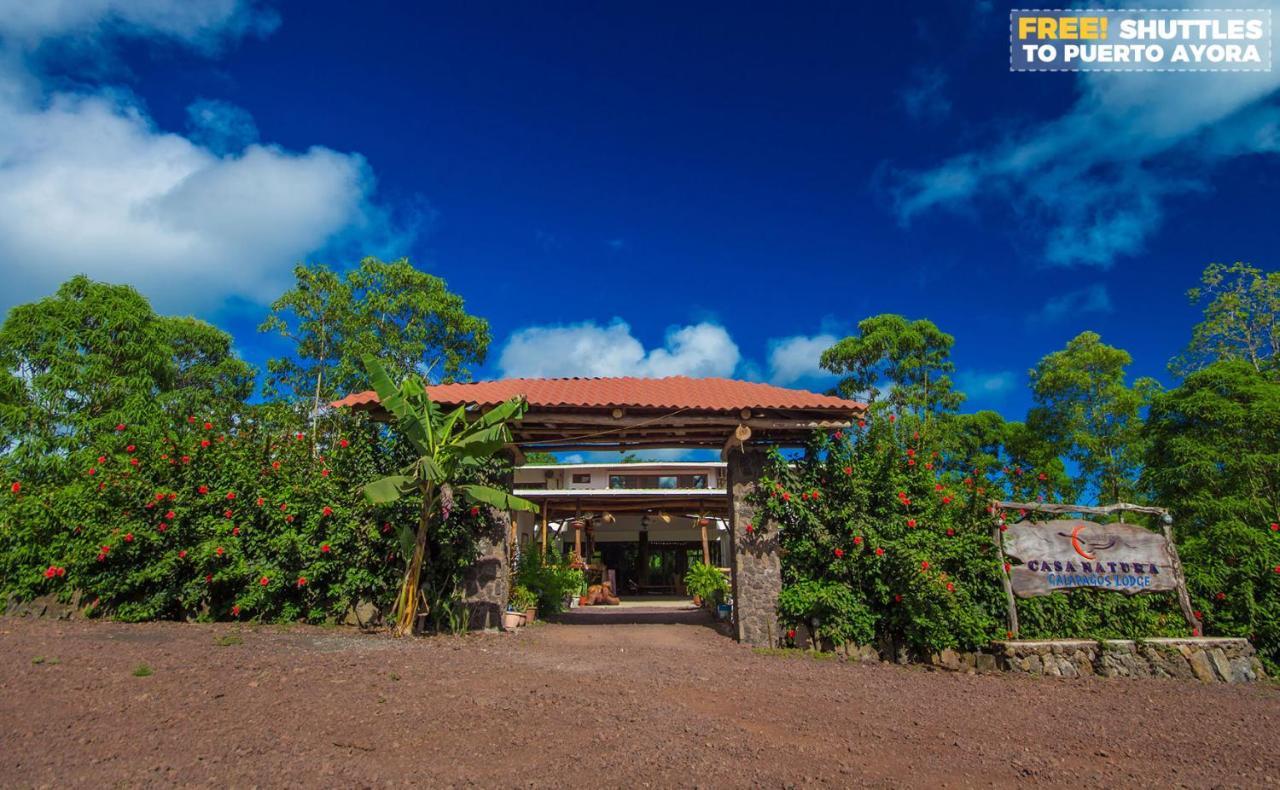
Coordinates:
(674,392)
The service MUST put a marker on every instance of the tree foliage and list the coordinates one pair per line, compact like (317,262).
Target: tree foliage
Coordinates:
(1241,319)
(911,358)
(409,318)
(1086,411)
(1214,460)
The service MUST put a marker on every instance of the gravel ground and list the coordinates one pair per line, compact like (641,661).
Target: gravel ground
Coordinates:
(581,705)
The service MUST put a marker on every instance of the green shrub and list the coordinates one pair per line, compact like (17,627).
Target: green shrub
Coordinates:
(707,582)
(522,598)
(830,610)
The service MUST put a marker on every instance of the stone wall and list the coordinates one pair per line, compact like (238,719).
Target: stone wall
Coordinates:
(1213,660)
(757,573)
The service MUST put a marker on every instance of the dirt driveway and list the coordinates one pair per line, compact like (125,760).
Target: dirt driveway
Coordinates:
(582,705)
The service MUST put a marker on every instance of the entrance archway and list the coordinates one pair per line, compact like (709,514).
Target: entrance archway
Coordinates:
(740,419)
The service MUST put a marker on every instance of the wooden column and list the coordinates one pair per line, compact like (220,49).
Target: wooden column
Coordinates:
(544,529)
(706,544)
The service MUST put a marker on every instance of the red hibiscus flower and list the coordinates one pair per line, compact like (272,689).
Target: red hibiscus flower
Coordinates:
(264,581)
(911,462)
(298,437)
(862,423)
(235,531)
(133,461)
(343,442)
(324,548)
(785,496)
(1275,527)
(1198,614)
(848,470)
(1008,567)
(1008,635)
(172,497)
(101,556)
(937,486)
(15,487)
(130,449)
(191,420)
(839,553)
(1221,596)
(911,522)
(120,427)
(946,500)
(324,472)
(951,533)
(226,514)
(204,442)
(162,527)
(327,511)
(92,471)
(857,540)
(208,578)
(102,459)
(750,529)
(231,495)
(924,565)
(182,554)
(892,418)
(879,551)
(170,515)
(791,633)
(208,426)
(186,459)
(203,489)
(289,518)
(128,537)
(284,506)
(951,587)
(302,581)
(1195,632)
(475,510)
(275,464)
(235,611)
(261,501)
(50,572)
(1278,569)
(897,599)
(911,453)
(218,551)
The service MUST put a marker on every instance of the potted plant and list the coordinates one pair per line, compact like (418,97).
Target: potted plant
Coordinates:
(511,620)
(525,601)
(707,584)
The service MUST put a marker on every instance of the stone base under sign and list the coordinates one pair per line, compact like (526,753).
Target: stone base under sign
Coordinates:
(1209,659)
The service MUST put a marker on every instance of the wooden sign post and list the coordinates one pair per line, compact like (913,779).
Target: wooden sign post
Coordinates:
(1065,554)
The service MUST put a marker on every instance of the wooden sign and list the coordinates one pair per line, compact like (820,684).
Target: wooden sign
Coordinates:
(1060,555)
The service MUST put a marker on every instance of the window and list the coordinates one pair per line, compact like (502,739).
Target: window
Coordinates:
(581,479)
(668,482)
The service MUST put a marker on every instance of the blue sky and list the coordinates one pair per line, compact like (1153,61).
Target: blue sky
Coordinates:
(633,188)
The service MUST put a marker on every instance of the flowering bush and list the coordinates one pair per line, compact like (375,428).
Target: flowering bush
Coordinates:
(884,537)
(213,516)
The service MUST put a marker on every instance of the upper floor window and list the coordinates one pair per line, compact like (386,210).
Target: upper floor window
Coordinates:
(581,478)
(657,481)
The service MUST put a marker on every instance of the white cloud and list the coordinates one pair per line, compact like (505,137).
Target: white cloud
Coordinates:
(794,359)
(1093,299)
(201,23)
(589,349)
(1097,177)
(986,386)
(88,184)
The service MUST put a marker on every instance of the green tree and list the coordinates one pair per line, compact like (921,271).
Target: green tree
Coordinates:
(448,446)
(912,357)
(1241,319)
(1086,411)
(96,355)
(407,317)
(1214,460)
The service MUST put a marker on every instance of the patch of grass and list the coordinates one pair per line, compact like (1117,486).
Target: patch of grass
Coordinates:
(794,652)
(227,640)
(142,671)
(38,660)
(394,676)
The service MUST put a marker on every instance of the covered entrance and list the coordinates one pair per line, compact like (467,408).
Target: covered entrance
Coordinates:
(739,420)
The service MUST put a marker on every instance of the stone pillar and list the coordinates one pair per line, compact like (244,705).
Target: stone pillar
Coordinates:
(757,573)
(485,591)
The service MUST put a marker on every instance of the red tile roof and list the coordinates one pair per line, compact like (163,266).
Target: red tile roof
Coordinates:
(673,392)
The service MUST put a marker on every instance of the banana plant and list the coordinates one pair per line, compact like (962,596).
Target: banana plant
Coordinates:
(450,446)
